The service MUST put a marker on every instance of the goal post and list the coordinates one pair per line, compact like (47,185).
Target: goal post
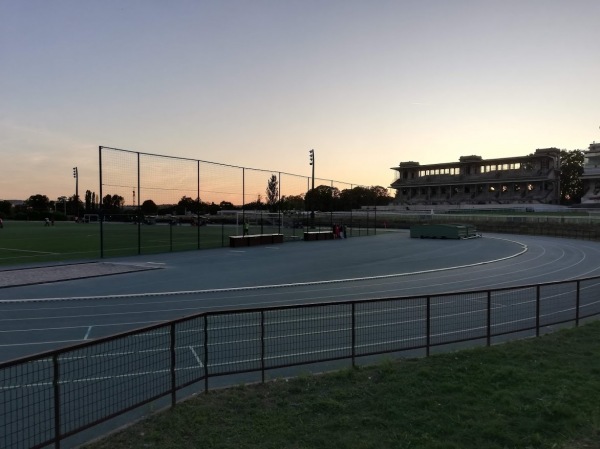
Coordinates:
(91,218)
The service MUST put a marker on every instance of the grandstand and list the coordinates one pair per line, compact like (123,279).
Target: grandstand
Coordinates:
(533,179)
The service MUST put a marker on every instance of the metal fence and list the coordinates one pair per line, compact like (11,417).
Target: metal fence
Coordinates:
(138,178)
(52,397)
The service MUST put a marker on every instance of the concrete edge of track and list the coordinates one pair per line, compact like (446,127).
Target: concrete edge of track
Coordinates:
(523,250)
(54,277)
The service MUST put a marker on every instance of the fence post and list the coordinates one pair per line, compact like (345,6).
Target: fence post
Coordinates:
(353,335)
(279,217)
(199,203)
(262,345)
(56,387)
(173,361)
(331,207)
(137,208)
(428,325)
(537,311)
(171,235)
(375,220)
(577,303)
(100,209)
(205,354)
(489,317)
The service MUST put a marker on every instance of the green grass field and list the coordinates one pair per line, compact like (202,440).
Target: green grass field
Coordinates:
(24,243)
(32,242)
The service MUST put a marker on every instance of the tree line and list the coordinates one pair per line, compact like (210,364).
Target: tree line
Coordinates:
(39,206)
(321,198)
(324,198)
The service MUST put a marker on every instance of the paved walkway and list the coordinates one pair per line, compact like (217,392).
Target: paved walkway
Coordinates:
(41,275)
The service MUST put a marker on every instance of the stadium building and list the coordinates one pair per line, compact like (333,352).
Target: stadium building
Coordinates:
(533,179)
(591,175)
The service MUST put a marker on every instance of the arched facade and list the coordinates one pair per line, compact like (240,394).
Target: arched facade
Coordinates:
(474,180)
(591,175)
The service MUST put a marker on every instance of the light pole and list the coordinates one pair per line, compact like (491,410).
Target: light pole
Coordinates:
(312,202)
(76,176)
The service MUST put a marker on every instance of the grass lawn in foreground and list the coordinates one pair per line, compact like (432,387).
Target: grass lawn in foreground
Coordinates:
(537,393)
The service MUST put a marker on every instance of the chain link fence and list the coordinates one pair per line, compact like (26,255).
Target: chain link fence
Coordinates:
(175,204)
(57,396)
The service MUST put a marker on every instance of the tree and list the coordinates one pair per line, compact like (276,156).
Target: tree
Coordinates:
(571,184)
(112,203)
(212,208)
(323,198)
(62,200)
(149,207)
(226,205)
(255,205)
(187,204)
(272,193)
(38,203)
(381,195)
(73,205)
(292,202)
(88,201)
(5,208)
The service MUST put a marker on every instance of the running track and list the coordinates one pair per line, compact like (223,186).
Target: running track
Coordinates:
(40,317)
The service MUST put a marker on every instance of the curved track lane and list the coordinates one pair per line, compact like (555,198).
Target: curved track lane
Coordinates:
(41,317)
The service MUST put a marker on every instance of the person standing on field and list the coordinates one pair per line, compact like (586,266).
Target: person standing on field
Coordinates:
(246,227)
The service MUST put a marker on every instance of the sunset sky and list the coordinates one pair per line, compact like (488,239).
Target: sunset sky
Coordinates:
(258,83)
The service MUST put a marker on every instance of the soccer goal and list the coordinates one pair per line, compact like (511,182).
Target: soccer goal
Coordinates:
(91,218)
(259,222)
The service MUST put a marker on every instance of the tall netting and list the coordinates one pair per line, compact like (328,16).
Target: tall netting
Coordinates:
(294,216)
(153,203)
(261,202)
(167,181)
(222,186)
(341,216)
(119,180)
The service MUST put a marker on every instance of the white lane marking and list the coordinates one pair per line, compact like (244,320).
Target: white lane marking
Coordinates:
(270,286)
(196,357)
(27,251)
(40,343)
(96,379)
(87,334)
